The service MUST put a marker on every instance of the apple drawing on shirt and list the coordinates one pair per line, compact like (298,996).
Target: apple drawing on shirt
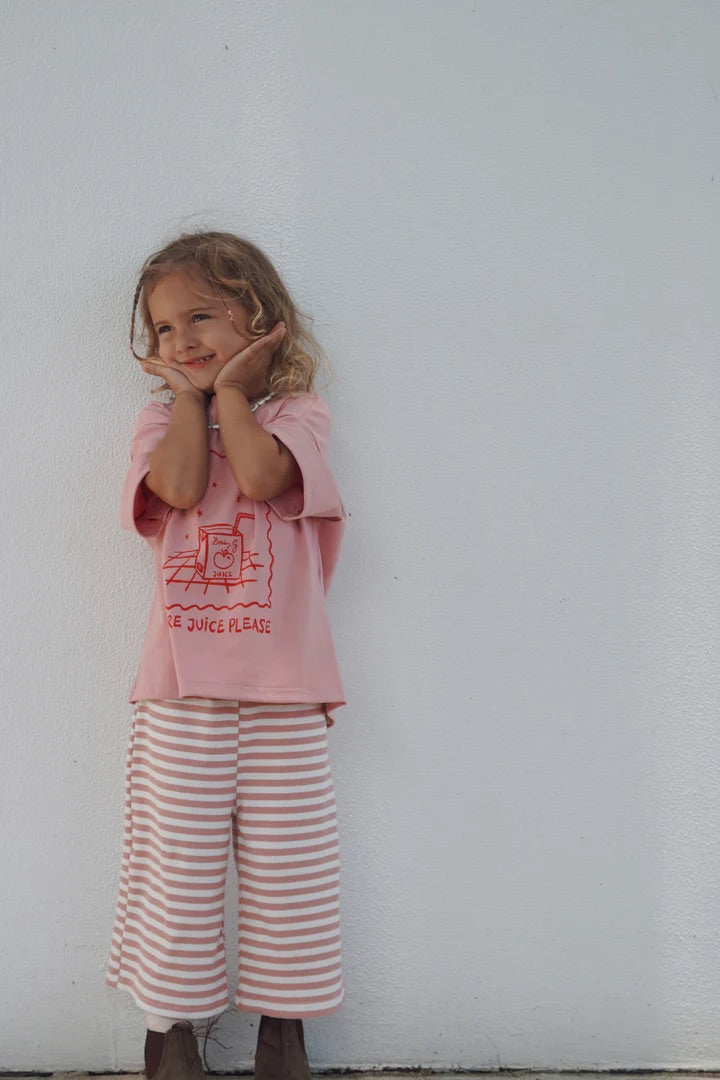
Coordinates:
(223,559)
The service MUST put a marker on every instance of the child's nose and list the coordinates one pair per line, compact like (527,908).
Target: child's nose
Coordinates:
(184,339)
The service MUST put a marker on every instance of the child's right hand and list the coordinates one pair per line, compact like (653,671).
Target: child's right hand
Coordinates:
(176,380)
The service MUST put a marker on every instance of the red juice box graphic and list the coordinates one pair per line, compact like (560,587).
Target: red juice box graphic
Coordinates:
(220,552)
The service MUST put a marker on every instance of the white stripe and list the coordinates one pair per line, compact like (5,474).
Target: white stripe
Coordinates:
(176,726)
(159,947)
(279,981)
(260,757)
(259,848)
(185,755)
(286,995)
(297,887)
(293,737)
(163,904)
(264,732)
(175,743)
(264,766)
(163,875)
(153,828)
(309,896)
(163,937)
(202,985)
(271,956)
(279,825)
(221,786)
(311,729)
(211,897)
(206,1005)
(197,1010)
(146,814)
(250,922)
(252,936)
(283,906)
(186,795)
(255,875)
(208,710)
(155,727)
(163,807)
(185,844)
(291,801)
(251,712)
(137,942)
(215,964)
(211,866)
(285,830)
(145,918)
(256,1004)
(283,779)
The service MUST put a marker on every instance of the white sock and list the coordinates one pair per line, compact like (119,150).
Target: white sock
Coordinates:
(159,1023)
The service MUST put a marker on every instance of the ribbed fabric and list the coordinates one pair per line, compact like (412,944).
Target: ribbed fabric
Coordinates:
(198,772)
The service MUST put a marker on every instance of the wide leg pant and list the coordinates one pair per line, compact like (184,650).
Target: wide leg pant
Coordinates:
(198,772)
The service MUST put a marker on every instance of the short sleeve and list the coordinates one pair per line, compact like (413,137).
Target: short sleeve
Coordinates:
(142,510)
(305,429)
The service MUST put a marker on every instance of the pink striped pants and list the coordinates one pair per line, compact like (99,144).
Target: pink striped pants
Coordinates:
(199,771)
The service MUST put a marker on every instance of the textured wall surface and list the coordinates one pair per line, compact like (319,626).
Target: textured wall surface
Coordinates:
(503,216)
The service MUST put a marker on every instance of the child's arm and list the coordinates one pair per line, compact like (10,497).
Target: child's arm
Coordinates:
(263,467)
(179,463)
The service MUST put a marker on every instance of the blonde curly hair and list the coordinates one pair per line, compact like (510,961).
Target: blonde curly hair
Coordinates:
(236,270)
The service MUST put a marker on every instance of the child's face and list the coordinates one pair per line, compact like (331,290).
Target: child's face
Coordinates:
(196,334)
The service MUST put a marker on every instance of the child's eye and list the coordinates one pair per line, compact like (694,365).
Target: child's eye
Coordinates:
(162,329)
(200,315)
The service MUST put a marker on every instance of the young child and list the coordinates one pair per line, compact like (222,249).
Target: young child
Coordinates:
(230,485)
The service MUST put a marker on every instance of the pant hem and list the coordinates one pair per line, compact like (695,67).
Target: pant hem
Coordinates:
(289,1012)
(178,1012)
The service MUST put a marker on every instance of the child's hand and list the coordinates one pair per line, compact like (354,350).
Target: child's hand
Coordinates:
(247,370)
(176,380)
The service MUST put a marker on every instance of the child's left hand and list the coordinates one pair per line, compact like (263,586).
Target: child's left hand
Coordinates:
(247,370)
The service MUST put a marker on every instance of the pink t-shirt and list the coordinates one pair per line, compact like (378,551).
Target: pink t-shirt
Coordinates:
(239,605)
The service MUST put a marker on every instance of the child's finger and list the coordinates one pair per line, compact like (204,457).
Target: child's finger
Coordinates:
(152,367)
(266,344)
(272,336)
(272,339)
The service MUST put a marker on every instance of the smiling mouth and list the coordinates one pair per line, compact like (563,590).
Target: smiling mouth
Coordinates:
(199,362)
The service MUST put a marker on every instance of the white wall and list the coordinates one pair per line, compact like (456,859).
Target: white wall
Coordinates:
(504,218)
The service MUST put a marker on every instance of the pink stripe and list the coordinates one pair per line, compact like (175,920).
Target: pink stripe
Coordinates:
(212,994)
(158,729)
(176,941)
(184,707)
(273,714)
(290,947)
(217,965)
(266,753)
(150,797)
(144,755)
(300,966)
(307,806)
(257,879)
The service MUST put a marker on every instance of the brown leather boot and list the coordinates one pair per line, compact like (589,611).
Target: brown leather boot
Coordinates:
(180,1058)
(280,1053)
